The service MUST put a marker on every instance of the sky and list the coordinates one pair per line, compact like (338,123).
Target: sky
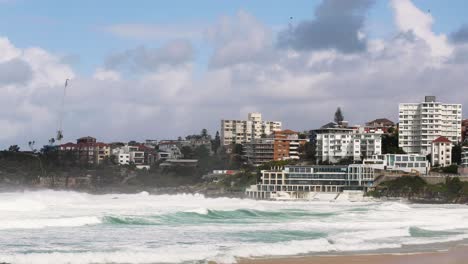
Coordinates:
(162,69)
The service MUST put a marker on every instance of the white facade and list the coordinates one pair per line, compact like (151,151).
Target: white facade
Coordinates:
(123,158)
(399,162)
(421,123)
(305,182)
(243,131)
(347,143)
(465,157)
(129,154)
(441,153)
(169,150)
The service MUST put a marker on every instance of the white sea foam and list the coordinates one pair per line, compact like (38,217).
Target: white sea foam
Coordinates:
(49,222)
(152,230)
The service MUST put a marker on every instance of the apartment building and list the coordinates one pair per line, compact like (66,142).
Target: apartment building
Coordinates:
(243,131)
(337,143)
(441,152)
(87,150)
(422,123)
(383,124)
(464,157)
(281,145)
(465,130)
(137,154)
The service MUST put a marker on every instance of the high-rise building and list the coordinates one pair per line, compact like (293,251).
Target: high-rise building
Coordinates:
(338,143)
(281,145)
(243,131)
(422,123)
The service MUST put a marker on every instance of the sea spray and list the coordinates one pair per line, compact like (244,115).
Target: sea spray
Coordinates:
(70,227)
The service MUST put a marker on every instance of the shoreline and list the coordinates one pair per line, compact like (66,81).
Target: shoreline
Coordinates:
(457,254)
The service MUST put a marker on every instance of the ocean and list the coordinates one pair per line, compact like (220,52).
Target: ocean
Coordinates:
(69,227)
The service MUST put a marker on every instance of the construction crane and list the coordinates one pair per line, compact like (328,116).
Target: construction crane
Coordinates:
(61,113)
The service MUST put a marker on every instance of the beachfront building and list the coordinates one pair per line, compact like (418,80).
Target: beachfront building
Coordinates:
(421,123)
(280,145)
(409,163)
(334,144)
(441,153)
(243,131)
(86,150)
(304,182)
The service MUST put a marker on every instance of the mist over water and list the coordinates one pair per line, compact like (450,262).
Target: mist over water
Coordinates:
(69,227)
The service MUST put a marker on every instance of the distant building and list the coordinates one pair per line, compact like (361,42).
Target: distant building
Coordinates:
(337,143)
(441,153)
(169,149)
(243,131)
(464,157)
(421,123)
(382,124)
(304,182)
(87,150)
(137,154)
(281,145)
(400,162)
(465,130)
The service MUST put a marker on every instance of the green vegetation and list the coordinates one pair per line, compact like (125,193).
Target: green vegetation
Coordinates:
(415,188)
(390,143)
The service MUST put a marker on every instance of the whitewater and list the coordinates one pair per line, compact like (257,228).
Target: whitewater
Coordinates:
(69,227)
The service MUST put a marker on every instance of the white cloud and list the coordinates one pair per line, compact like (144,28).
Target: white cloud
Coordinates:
(106,75)
(247,72)
(409,18)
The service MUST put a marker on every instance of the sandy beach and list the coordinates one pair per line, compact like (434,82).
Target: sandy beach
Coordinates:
(455,255)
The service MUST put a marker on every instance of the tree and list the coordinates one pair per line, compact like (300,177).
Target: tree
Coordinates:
(216,143)
(51,141)
(14,148)
(237,149)
(338,116)
(31,145)
(390,144)
(187,152)
(204,133)
(457,154)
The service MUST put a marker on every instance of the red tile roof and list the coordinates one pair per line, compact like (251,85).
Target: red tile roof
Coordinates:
(442,140)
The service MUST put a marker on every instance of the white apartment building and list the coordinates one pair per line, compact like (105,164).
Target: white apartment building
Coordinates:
(335,144)
(123,158)
(399,162)
(129,154)
(441,153)
(243,131)
(421,123)
(464,157)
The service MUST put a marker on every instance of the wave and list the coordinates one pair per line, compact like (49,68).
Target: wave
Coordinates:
(203,215)
(49,222)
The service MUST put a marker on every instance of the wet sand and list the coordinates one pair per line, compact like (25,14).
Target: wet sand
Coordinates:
(455,255)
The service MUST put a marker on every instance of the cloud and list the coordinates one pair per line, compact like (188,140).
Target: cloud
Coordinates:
(15,71)
(337,25)
(155,31)
(461,35)
(239,39)
(163,93)
(142,59)
(409,18)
